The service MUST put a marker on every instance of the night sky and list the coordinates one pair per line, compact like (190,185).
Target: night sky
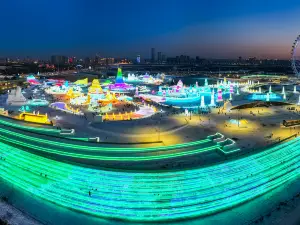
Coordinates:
(209,29)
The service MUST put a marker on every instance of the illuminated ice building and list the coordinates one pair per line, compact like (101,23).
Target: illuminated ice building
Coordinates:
(120,85)
(32,80)
(15,97)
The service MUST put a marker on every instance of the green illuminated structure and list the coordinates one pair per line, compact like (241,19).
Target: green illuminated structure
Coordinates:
(135,195)
(151,196)
(119,78)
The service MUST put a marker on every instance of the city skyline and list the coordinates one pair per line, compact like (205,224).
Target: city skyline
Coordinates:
(253,29)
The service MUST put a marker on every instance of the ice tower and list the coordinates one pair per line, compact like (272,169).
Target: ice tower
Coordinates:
(119,78)
(268,97)
(202,105)
(283,90)
(205,82)
(212,99)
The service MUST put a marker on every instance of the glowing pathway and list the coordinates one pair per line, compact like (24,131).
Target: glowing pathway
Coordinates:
(152,196)
(94,156)
(10,135)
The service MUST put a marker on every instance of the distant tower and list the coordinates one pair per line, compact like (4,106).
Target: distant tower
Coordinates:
(159,57)
(138,59)
(152,55)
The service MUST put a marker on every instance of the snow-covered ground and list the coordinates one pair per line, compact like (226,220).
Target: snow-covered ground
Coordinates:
(15,217)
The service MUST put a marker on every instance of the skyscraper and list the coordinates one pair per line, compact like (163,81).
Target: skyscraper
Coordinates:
(58,59)
(159,59)
(138,59)
(152,55)
(87,61)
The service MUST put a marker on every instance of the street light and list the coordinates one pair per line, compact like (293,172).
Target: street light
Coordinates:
(238,117)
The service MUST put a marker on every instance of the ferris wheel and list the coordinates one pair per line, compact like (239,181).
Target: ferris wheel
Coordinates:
(295,56)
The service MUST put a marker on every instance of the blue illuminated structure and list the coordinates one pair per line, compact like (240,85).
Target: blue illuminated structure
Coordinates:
(263,97)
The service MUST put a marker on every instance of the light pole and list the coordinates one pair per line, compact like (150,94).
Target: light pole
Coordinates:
(238,117)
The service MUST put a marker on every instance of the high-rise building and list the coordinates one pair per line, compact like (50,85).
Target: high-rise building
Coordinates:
(87,61)
(106,61)
(110,61)
(163,58)
(152,55)
(138,59)
(159,59)
(96,59)
(59,59)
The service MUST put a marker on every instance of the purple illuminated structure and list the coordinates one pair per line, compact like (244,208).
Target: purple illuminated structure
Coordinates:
(59,105)
(231,89)
(220,98)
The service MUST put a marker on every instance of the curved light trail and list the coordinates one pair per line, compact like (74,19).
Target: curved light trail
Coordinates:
(138,196)
(141,196)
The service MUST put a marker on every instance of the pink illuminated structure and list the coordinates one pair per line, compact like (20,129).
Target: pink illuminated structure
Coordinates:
(220,97)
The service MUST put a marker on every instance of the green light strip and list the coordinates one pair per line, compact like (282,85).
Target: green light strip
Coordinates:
(86,147)
(133,196)
(108,158)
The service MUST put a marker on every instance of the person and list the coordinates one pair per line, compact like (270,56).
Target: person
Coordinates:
(90,193)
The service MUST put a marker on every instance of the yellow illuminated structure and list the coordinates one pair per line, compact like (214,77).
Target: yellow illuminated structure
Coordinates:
(71,94)
(82,82)
(34,118)
(120,116)
(88,100)
(109,98)
(95,87)
(81,100)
